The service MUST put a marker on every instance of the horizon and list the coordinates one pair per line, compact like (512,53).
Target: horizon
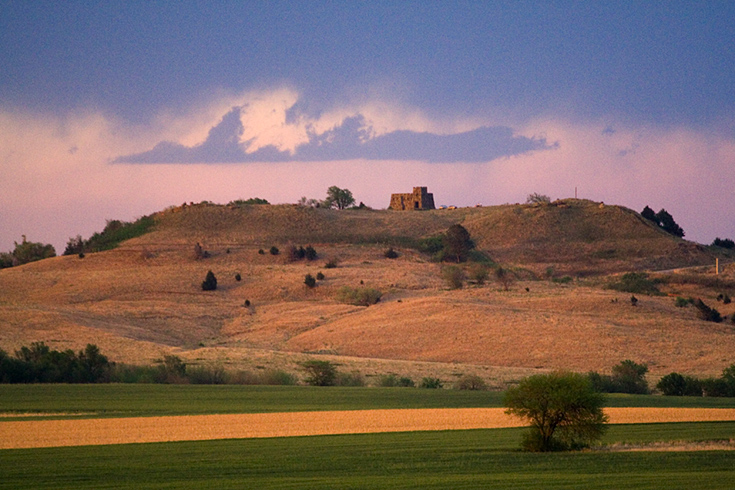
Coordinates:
(120,110)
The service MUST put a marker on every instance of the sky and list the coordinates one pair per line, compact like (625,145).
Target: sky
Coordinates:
(115,110)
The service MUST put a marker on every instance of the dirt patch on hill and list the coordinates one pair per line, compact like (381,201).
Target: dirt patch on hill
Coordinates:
(54,433)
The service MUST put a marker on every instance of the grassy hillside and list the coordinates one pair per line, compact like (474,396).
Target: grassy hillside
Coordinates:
(144,299)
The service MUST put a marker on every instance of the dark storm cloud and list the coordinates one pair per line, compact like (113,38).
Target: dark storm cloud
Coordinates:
(353,139)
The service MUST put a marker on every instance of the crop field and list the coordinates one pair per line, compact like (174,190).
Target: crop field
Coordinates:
(486,458)
(451,459)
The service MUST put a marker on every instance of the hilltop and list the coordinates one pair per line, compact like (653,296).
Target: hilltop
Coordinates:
(144,298)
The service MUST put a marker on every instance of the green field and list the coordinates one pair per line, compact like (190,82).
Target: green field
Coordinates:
(454,460)
(106,400)
(447,460)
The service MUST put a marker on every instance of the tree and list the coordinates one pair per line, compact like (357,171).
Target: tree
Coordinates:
(504,277)
(457,243)
(564,410)
(320,373)
(666,221)
(338,198)
(630,377)
(537,198)
(724,243)
(74,246)
(210,282)
(649,214)
(26,252)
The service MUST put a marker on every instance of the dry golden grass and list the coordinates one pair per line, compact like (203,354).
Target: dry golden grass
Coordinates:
(144,299)
(52,433)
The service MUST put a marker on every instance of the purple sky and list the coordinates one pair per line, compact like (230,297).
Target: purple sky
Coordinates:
(116,110)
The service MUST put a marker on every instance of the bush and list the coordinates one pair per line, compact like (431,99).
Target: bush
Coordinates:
(118,231)
(431,383)
(26,252)
(247,202)
(310,253)
(675,384)
(726,243)
(706,313)
(210,282)
(319,276)
(478,274)
(393,381)
(261,252)
(274,250)
(74,246)
(630,377)
(457,243)
(358,296)
(637,283)
(627,377)
(353,378)
(453,277)
(680,302)
(471,382)
(331,264)
(238,277)
(320,373)
(564,411)
(390,254)
(536,198)
(309,281)
(562,280)
(504,277)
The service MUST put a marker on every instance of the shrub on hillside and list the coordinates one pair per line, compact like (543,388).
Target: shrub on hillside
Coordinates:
(431,383)
(38,363)
(706,313)
(393,381)
(637,283)
(247,202)
(310,253)
(358,296)
(210,282)
(453,276)
(319,276)
(504,277)
(390,253)
(353,378)
(319,373)
(331,264)
(724,243)
(680,302)
(274,250)
(478,274)
(309,281)
(536,198)
(471,382)
(26,252)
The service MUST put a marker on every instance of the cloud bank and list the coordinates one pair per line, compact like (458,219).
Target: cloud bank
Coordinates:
(58,179)
(353,138)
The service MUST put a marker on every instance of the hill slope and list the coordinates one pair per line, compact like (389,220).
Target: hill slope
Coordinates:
(144,299)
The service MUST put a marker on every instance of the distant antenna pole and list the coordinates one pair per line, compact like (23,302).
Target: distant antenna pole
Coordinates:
(717,266)
(575,192)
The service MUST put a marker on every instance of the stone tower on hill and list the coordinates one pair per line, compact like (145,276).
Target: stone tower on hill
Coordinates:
(418,199)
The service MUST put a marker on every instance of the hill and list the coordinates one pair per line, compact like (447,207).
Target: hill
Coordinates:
(144,299)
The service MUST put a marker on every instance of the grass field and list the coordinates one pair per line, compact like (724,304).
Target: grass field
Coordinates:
(451,459)
(157,400)
(457,460)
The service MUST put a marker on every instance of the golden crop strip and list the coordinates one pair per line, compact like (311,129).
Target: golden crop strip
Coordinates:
(53,433)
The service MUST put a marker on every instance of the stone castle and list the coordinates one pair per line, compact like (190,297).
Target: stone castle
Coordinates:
(418,199)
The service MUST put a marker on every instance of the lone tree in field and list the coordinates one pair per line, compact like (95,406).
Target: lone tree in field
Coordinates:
(457,243)
(564,410)
(338,198)
(320,373)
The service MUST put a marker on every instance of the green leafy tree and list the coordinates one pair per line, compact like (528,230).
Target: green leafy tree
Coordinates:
(26,252)
(338,198)
(564,410)
(457,243)
(320,373)
(630,377)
